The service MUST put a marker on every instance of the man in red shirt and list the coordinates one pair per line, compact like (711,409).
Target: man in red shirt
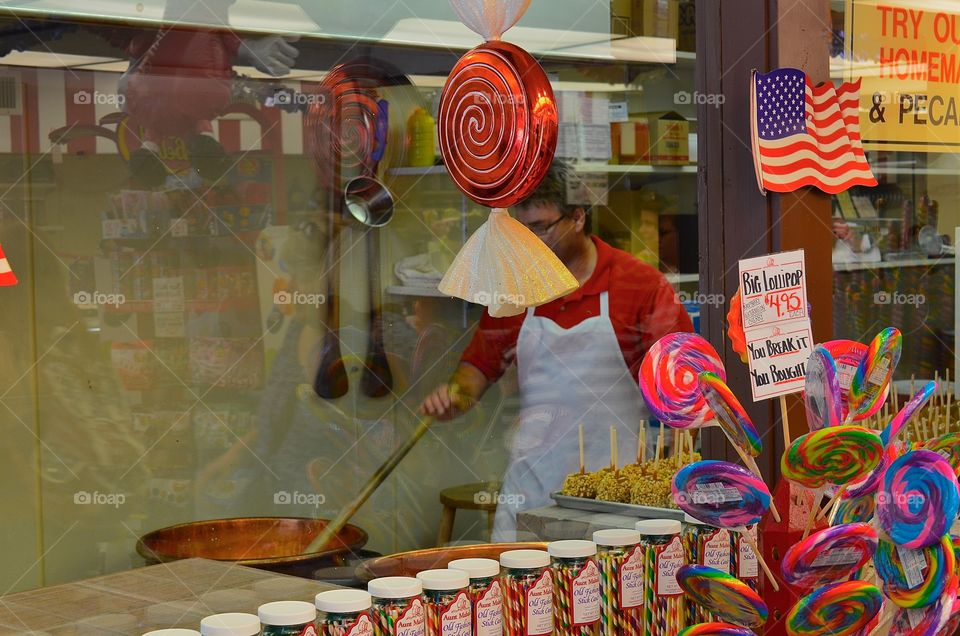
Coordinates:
(577,357)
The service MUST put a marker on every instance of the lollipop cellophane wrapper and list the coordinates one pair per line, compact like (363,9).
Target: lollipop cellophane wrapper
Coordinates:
(490,18)
(506,268)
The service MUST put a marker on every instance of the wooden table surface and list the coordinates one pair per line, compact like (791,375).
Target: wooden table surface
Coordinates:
(131,603)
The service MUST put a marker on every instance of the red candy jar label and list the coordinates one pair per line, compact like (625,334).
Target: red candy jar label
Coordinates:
(540,605)
(488,612)
(749,568)
(456,619)
(631,579)
(669,559)
(412,621)
(585,595)
(716,550)
(363,626)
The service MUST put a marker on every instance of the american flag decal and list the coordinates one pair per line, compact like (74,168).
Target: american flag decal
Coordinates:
(806,135)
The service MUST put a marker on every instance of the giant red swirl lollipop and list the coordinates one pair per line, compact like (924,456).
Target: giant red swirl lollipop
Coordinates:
(498,134)
(919,499)
(828,556)
(841,609)
(670,379)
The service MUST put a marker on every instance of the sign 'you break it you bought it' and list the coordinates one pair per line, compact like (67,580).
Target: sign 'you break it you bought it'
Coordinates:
(776,323)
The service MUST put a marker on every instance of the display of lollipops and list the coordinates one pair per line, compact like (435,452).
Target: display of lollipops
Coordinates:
(497,129)
(847,355)
(918,500)
(670,379)
(871,381)
(736,424)
(841,609)
(715,629)
(724,495)
(836,456)
(915,578)
(821,393)
(724,595)
(908,410)
(829,556)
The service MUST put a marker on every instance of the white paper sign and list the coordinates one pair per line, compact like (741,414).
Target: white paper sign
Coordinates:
(776,323)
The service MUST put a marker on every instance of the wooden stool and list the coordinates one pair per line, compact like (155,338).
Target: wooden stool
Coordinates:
(482,496)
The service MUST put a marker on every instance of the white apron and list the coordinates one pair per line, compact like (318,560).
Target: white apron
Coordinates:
(568,377)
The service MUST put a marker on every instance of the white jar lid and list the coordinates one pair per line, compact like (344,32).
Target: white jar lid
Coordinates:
(343,601)
(652,527)
(230,624)
(572,549)
(395,587)
(444,579)
(282,613)
(173,632)
(476,568)
(525,559)
(616,537)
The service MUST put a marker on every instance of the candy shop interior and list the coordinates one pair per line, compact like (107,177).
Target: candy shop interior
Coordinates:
(479,317)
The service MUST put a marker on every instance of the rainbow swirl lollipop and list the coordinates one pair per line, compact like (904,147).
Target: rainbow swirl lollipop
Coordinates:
(670,379)
(835,610)
(930,620)
(854,510)
(721,494)
(822,390)
(948,447)
(715,629)
(829,555)
(730,414)
(871,381)
(909,409)
(836,455)
(726,596)
(918,500)
(915,578)
(847,355)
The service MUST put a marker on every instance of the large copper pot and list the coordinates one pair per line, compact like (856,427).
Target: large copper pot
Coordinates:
(267,543)
(409,563)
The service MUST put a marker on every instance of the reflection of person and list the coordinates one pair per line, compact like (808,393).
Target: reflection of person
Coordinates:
(577,356)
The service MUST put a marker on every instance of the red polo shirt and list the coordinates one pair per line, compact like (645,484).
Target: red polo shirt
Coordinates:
(643,308)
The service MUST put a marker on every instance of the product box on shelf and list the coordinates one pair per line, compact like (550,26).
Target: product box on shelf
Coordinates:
(669,138)
(655,18)
(630,142)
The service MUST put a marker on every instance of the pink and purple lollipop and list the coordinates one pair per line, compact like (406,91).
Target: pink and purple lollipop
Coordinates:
(822,390)
(909,409)
(670,379)
(872,380)
(830,555)
(918,500)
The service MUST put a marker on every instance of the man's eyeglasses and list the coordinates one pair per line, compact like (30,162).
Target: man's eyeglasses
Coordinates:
(541,229)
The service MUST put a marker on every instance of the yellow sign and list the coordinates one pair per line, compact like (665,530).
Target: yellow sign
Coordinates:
(908,54)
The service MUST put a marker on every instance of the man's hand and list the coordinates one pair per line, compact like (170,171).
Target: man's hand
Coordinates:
(273,54)
(444,403)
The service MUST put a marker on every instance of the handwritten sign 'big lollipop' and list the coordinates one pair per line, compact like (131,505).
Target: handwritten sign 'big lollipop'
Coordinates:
(919,499)
(498,134)
(724,495)
(840,609)
(716,629)
(724,595)
(830,555)
(872,379)
(915,578)
(822,390)
(670,379)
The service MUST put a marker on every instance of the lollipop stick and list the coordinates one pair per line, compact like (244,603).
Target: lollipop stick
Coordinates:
(814,509)
(676,448)
(613,448)
(659,444)
(663,442)
(885,619)
(643,442)
(784,421)
(756,550)
(583,465)
(833,500)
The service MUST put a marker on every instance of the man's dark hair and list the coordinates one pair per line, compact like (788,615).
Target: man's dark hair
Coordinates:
(553,191)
